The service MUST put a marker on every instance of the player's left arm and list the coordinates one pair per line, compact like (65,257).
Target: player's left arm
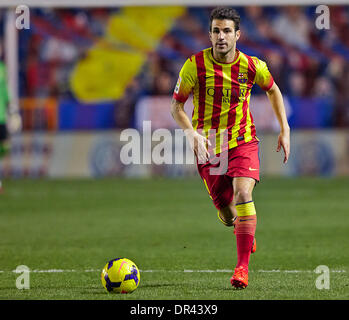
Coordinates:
(275,97)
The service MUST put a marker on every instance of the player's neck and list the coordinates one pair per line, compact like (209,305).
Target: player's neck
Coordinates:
(228,57)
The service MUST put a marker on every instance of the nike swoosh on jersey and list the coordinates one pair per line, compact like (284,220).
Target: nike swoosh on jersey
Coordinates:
(252,169)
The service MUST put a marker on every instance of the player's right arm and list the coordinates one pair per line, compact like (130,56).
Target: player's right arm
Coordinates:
(197,141)
(186,81)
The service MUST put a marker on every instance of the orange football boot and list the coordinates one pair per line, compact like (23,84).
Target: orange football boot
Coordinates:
(240,278)
(254,246)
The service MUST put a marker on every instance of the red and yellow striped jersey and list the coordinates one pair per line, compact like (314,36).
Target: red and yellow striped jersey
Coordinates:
(221,95)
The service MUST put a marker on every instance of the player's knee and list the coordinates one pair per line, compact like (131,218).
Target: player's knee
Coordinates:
(226,217)
(242,195)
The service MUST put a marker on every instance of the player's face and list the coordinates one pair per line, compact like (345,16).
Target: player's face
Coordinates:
(223,36)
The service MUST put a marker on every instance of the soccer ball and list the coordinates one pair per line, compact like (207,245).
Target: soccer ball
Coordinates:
(120,275)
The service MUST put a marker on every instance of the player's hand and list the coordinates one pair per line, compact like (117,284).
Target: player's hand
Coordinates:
(284,143)
(198,144)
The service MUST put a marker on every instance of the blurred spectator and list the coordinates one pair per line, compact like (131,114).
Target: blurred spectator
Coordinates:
(342,97)
(278,67)
(255,25)
(323,87)
(32,75)
(336,69)
(293,27)
(125,107)
(163,84)
(296,84)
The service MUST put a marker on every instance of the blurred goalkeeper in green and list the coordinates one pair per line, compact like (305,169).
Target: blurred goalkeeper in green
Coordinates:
(4,101)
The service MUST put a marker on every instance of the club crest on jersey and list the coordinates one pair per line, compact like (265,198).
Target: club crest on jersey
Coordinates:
(242,77)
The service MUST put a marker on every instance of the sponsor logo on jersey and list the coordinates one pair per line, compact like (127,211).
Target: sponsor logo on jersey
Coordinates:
(178,85)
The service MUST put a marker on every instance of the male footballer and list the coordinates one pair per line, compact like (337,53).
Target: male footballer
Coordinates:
(221,78)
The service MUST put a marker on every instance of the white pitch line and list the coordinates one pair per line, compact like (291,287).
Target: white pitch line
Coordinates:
(173,271)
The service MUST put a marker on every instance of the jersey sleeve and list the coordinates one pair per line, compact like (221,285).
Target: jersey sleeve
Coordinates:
(186,80)
(263,77)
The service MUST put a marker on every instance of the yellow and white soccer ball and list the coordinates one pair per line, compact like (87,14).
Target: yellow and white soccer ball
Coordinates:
(120,275)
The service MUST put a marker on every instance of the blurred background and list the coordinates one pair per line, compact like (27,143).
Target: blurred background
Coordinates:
(79,76)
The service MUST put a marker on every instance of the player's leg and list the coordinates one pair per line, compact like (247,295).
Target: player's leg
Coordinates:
(245,209)
(227,215)
(245,227)
(3,146)
(3,142)
(243,167)
(220,190)
(242,190)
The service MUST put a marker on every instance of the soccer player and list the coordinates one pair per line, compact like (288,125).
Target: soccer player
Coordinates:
(221,78)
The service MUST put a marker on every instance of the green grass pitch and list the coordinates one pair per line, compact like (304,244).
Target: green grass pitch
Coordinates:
(169,228)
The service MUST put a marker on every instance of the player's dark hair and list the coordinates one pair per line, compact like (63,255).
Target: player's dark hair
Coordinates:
(222,13)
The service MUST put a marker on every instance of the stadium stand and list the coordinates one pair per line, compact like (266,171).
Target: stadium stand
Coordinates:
(310,65)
